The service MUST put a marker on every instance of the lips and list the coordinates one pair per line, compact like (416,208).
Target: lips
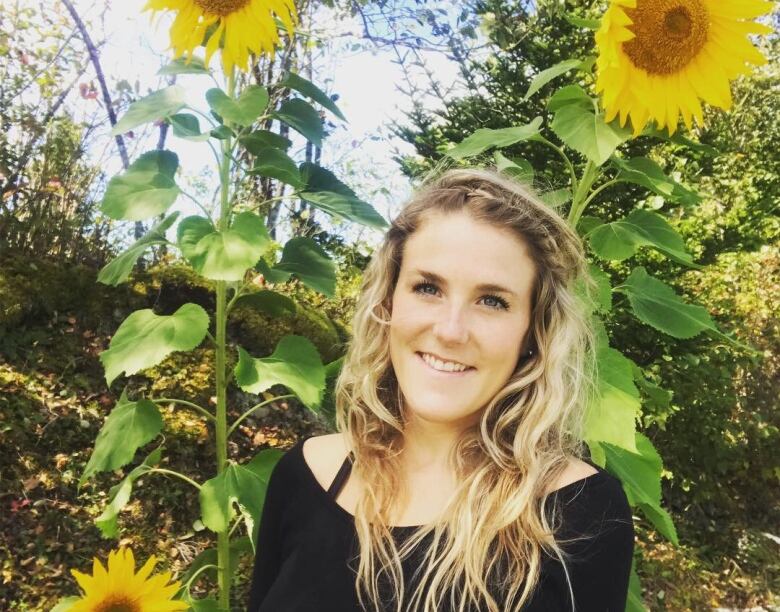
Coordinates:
(444,373)
(440,358)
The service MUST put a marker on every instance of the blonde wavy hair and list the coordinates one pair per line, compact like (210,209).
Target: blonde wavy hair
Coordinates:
(493,531)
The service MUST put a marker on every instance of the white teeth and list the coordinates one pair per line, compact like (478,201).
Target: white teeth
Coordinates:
(446,366)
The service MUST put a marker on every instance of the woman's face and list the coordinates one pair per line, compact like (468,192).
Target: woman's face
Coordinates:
(444,308)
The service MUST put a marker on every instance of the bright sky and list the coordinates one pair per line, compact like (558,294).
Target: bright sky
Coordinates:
(365,81)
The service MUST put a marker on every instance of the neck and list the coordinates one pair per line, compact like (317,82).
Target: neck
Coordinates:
(427,446)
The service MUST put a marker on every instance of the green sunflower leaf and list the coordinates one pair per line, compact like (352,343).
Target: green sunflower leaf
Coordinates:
(157,105)
(310,90)
(242,486)
(146,189)
(570,94)
(259,140)
(516,167)
(129,426)
(187,126)
(585,131)
(484,139)
(640,474)
(119,495)
(235,485)
(328,193)
(611,416)
(303,118)
(295,363)
(243,111)
(635,602)
(621,239)
(656,304)
(180,65)
(119,269)
(309,262)
(144,339)
(556,198)
(223,255)
(645,172)
(274,163)
(545,76)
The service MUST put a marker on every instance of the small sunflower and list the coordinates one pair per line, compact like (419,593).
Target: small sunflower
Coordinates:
(658,58)
(120,589)
(245,25)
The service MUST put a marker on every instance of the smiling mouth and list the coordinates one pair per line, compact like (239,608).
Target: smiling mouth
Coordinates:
(434,369)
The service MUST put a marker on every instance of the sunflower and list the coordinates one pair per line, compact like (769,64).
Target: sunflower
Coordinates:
(245,25)
(658,58)
(120,589)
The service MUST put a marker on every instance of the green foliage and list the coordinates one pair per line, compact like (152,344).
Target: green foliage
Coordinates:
(129,426)
(193,65)
(310,90)
(119,494)
(147,188)
(485,139)
(144,339)
(275,163)
(303,118)
(156,105)
(620,240)
(223,254)
(47,205)
(295,364)
(326,191)
(611,417)
(640,474)
(309,262)
(580,125)
(119,269)
(244,486)
(187,126)
(647,173)
(243,111)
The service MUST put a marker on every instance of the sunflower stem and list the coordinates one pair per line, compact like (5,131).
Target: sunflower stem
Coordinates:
(238,421)
(223,537)
(589,176)
(194,406)
(186,479)
(597,191)
(562,153)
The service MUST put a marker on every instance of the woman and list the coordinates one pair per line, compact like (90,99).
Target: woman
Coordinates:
(460,406)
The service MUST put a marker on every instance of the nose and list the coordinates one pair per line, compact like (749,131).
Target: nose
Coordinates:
(452,327)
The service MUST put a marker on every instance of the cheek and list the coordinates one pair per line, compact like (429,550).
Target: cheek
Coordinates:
(407,316)
(503,343)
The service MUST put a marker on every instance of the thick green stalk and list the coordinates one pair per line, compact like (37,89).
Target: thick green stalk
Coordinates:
(580,198)
(223,537)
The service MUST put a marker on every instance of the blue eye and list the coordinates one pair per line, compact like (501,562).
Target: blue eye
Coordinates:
(502,303)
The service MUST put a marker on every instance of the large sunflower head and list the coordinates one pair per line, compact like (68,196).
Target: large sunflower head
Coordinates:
(658,58)
(242,26)
(120,589)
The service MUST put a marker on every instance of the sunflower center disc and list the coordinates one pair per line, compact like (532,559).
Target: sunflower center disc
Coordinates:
(117,604)
(669,34)
(221,7)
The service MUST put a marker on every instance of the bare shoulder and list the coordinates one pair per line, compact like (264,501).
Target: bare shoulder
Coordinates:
(576,470)
(324,455)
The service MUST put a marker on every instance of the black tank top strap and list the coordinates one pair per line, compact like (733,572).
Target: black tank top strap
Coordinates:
(341,477)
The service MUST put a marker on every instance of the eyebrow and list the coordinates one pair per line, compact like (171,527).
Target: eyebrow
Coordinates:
(435,278)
